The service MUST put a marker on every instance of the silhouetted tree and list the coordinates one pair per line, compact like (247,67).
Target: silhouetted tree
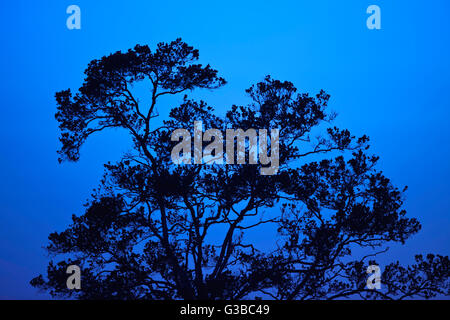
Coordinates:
(156,230)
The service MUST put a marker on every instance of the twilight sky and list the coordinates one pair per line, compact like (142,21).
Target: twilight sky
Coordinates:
(391,84)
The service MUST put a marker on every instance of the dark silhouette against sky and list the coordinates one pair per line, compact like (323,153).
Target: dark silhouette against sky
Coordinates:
(155,229)
(389,84)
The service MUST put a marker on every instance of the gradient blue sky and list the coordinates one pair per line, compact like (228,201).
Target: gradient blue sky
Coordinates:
(392,84)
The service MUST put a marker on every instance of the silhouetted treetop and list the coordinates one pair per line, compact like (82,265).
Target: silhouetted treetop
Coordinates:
(155,229)
(105,99)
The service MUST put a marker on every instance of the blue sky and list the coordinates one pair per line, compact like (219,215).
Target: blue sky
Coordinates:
(391,84)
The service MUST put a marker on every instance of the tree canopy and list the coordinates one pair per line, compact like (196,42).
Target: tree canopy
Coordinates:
(157,230)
